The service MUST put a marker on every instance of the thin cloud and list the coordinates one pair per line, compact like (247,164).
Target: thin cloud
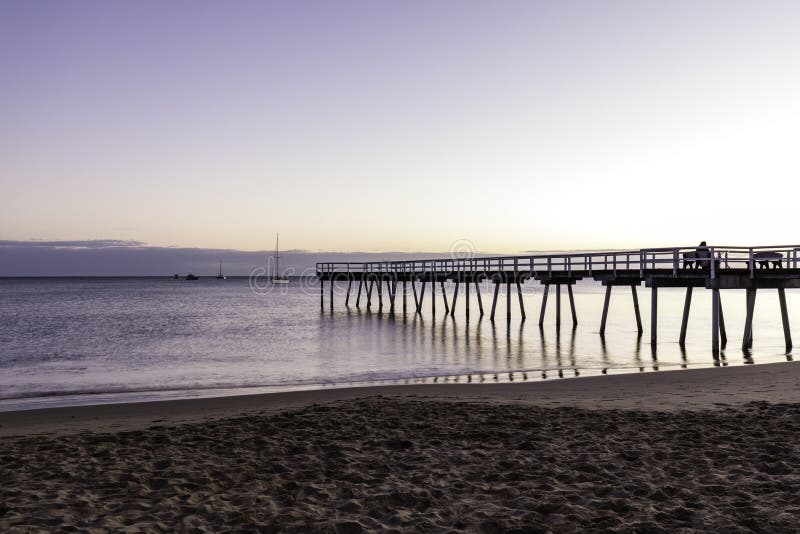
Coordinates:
(83,244)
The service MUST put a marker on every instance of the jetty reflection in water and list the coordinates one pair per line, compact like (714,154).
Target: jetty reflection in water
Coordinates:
(445,348)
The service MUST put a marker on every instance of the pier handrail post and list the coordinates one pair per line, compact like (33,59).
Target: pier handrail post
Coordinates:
(675,263)
(549,267)
(642,259)
(750,264)
(713,263)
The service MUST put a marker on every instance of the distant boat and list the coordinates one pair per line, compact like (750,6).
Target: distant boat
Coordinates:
(190,276)
(176,276)
(220,276)
(278,278)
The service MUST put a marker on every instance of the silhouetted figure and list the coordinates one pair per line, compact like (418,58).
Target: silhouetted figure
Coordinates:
(703,256)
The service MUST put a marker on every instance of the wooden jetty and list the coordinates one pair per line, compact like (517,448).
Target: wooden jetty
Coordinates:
(714,268)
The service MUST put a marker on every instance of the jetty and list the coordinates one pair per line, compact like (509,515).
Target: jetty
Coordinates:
(713,268)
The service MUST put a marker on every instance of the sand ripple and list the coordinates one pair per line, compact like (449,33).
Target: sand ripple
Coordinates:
(421,465)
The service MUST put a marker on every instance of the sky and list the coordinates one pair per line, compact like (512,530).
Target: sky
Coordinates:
(400,126)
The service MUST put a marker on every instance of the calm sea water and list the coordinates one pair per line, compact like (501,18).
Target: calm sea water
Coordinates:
(98,340)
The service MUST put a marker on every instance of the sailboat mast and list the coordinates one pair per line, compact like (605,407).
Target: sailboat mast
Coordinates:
(275,273)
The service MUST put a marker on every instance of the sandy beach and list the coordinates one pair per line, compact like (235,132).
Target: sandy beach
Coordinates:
(692,450)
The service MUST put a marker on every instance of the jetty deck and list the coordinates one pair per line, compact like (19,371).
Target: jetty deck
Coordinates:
(714,268)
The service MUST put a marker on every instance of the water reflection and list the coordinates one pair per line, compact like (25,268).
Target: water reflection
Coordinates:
(456,342)
(147,334)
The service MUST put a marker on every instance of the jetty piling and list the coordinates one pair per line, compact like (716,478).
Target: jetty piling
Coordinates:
(544,304)
(654,315)
(572,305)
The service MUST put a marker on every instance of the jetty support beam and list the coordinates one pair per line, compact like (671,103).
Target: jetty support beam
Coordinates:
(787,334)
(421,297)
(687,304)
(715,322)
(572,305)
(478,293)
(392,294)
(433,295)
(747,339)
(605,311)
(466,298)
(654,315)
(723,335)
(494,300)
(635,296)
(558,306)
(508,299)
(544,304)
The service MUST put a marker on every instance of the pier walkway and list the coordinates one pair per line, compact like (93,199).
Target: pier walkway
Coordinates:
(714,268)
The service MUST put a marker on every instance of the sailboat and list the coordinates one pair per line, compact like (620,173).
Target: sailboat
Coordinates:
(278,278)
(220,276)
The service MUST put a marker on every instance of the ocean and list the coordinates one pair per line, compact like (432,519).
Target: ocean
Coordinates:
(72,341)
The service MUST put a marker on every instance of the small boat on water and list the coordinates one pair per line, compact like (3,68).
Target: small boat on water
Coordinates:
(278,278)
(220,276)
(190,276)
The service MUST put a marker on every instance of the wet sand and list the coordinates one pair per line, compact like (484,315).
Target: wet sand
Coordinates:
(696,450)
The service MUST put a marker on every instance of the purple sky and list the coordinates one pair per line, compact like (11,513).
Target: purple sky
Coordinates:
(399,125)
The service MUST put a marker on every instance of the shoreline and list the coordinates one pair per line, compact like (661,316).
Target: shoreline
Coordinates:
(686,389)
(35,402)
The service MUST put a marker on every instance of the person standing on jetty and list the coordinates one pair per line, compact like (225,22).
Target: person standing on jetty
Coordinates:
(703,255)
